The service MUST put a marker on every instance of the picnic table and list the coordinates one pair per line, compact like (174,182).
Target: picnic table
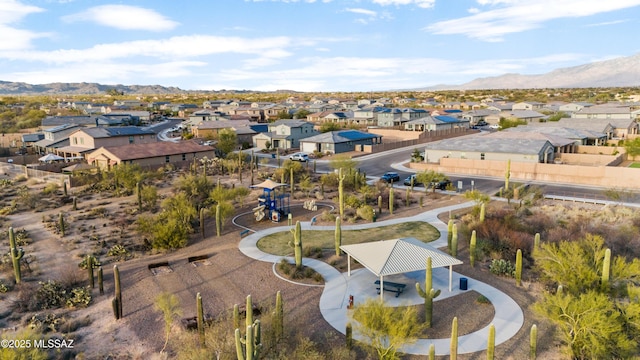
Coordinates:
(397,288)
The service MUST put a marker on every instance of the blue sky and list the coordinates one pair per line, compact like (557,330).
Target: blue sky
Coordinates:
(306,45)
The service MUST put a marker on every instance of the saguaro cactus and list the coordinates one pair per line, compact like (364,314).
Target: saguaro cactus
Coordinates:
(453,350)
(291,180)
(472,249)
(606,267)
(61,224)
(100,280)
(251,340)
(202,210)
(380,204)
(482,212)
(507,175)
(64,188)
(117,300)
(139,195)
(407,197)
(391,200)
(536,242)
(349,335)
(16,255)
(519,267)
(454,241)
(428,294)
(341,177)
(338,236)
(278,321)
(533,341)
(236,316)
(75,203)
(432,352)
(449,234)
(297,244)
(91,262)
(491,342)
(200,319)
(218,221)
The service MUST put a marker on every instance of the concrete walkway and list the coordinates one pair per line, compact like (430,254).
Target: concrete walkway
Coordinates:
(508,319)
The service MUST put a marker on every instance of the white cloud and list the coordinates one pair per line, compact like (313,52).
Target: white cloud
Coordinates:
(124,17)
(473,10)
(12,38)
(522,15)
(607,23)
(420,3)
(362,11)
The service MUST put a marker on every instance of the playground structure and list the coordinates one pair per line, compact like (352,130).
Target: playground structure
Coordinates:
(272,203)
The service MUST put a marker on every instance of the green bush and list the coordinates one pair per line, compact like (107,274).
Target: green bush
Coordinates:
(3,287)
(80,297)
(502,267)
(365,212)
(50,295)
(45,322)
(118,251)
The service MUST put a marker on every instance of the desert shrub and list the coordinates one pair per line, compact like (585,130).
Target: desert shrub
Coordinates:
(119,252)
(50,295)
(284,267)
(502,267)
(48,322)
(483,300)
(79,297)
(329,180)
(365,212)
(50,188)
(312,251)
(352,201)
(327,216)
(4,287)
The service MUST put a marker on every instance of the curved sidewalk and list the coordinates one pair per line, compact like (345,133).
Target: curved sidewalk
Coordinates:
(508,318)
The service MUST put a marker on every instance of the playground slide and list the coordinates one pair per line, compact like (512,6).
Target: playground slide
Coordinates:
(258,212)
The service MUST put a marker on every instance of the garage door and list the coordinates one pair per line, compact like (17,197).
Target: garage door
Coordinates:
(307,147)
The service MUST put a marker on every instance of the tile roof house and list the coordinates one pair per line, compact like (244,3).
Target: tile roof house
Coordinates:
(85,140)
(336,142)
(152,155)
(284,134)
(491,148)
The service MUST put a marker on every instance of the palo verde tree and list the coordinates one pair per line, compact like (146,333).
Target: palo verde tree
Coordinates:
(387,328)
(429,178)
(170,228)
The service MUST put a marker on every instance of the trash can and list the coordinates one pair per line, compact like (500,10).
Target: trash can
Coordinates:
(463,283)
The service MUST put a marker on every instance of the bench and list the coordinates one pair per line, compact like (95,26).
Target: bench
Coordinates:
(244,232)
(391,286)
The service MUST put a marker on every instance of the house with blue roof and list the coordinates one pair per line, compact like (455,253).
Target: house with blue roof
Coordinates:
(336,142)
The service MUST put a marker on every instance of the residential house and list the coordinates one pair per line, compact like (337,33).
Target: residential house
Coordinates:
(561,144)
(336,142)
(501,106)
(574,107)
(528,116)
(528,105)
(152,155)
(613,128)
(85,140)
(607,111)
(29,139)
(341,117)
(272,111)
(55,137)
(396,117)
(284,134)
(255,113)
(476,116)
(201,116)
(211,129)
(433,123)
(366,115)
(578,136)
(491,148)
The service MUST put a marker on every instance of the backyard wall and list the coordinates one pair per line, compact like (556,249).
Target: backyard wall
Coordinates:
(601,176)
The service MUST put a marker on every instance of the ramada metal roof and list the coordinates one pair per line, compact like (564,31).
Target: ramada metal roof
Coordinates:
(398,256)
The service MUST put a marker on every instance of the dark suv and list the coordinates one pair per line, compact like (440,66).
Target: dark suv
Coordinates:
(441,185)
(390,177)
(407,181)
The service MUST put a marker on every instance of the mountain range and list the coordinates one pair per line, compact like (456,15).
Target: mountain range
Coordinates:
(618,72)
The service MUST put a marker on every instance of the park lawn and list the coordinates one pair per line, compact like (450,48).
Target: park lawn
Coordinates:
(635,165)
(278,243)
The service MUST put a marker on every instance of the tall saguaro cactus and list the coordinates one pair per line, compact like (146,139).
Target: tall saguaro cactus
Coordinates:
(202,210)
(278,321)
(380,204)
(100,280)
(218,220)
(297,244)
(407,197)
(449,234)
(91,262)
(507,175)
(454,241)
(482,212)
(453,351)
(533,342)
(428,294)
(491,343)
(341,177)
(117,300)
(291,180)
(16,255)
(519,267)
(606,267)
(139,195)
(338,236)
(200,319)
(536,242)
(472,249)
(249,346)
(391,200)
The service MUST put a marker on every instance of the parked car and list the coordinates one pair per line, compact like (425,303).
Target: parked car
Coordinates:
(407,181)
(299,157)
(441,185)
(209,142)
(390,177)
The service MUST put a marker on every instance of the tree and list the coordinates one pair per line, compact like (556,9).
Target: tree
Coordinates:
(196,188)
(632,147)
(284,114)
(429,178)
(387,328)
(170,228)
(301,114)
(169,305)
(343,162)
(227,141)
(329,126)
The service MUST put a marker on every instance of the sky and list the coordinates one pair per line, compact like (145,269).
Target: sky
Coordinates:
(306,45)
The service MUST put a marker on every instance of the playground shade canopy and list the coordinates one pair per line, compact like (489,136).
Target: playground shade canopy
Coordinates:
(268,184)
(397,256)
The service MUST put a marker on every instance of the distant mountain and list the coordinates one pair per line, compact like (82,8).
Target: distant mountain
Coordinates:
(618,72)
(20,88)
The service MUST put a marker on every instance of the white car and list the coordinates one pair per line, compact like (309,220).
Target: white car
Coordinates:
(299,157)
